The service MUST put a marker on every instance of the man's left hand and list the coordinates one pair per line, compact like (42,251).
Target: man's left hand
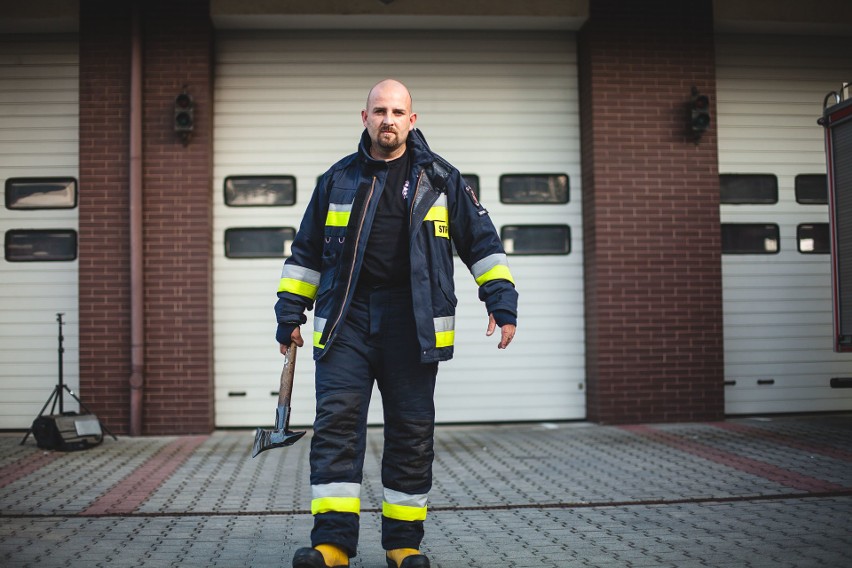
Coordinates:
(507,332)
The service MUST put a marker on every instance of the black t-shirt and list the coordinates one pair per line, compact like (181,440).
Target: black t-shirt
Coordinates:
(386,260)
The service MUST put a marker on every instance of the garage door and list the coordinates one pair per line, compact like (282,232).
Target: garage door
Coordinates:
(38,221)
(502,107)
(775,263)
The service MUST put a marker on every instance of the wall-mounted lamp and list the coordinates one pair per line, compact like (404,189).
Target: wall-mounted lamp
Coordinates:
(184,119)
(699,114)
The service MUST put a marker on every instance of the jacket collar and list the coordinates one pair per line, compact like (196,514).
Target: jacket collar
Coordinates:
(416,143)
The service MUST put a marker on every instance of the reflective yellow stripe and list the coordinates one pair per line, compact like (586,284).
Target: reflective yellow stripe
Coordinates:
(444,338)
(500,271)
(319,326)
(299,287)
(336,505)
(437,213)
(337,219)
(403,512)
(317,337)
(444,330)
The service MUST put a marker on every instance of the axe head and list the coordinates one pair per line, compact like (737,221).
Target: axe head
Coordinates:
(280,437)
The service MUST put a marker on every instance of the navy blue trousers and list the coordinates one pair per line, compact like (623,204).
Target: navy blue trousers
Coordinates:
(377,342)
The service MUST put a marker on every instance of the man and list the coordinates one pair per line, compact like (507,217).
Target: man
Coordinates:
(374,254)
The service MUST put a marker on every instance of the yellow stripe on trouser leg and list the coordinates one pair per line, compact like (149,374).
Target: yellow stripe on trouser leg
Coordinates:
(403,512)
(336,505)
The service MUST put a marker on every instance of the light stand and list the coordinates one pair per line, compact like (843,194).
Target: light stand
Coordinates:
(57,394)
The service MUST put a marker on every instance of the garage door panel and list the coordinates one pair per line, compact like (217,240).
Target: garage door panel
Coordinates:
(777,308)
(38,138)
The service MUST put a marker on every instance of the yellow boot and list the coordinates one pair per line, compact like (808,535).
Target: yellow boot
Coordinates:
(321,556)
(406,558)
(333,555)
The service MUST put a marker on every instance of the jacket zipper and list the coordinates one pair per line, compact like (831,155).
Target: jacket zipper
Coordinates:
(354,259)
(414,198)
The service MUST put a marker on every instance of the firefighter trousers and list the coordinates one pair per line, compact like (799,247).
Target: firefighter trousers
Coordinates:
(377,342)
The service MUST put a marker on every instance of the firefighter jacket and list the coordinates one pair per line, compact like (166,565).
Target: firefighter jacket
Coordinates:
(328,250)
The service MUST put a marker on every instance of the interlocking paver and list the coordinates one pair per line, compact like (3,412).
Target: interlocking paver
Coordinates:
(751,492)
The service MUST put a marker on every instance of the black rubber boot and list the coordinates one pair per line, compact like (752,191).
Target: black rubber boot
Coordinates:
(413,561)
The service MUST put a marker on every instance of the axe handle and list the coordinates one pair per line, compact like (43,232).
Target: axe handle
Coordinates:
(286,388)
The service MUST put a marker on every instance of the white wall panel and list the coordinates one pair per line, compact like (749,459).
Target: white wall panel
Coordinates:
(38,138)
(777,308)
(491,103)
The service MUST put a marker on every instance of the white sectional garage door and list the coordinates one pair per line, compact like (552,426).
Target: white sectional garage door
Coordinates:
(38,139)
(493,103)
(777,305)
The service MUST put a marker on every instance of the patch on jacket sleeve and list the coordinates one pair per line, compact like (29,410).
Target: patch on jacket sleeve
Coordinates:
(472,195)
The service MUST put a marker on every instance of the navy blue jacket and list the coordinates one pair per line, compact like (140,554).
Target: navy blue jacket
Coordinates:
(328,250)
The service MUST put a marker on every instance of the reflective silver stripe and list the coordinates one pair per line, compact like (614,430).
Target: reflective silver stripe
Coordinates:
(300,273)
(340,207)
(336,498)
(481,267)
(398,498)
(351,490)
(319,324)
(446,323)
(441,201)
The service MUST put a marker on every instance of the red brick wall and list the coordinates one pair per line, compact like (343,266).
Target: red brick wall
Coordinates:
(650,213)
(177,48)
(103,234)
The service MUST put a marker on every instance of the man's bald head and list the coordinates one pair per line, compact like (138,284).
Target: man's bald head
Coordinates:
(389,86)
(388,119)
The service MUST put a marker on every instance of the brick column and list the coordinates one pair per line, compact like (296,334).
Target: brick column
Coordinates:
(177,54)
(650,213)
(104,257)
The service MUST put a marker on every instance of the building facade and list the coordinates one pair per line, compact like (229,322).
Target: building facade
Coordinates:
(665,273)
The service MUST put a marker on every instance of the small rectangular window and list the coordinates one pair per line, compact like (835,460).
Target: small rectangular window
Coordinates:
(35,245)
(811,189)
(41,193)
(739,189)
(259,242)
(536,239)
(750,238)
(260,191)
(534,188)
(473,181)
(813,238)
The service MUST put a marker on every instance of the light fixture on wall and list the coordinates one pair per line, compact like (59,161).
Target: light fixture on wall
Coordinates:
(184,117)
(699,114)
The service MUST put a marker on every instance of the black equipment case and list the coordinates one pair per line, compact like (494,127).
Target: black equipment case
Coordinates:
(67,432)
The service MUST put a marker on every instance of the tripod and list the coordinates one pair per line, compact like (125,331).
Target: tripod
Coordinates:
(57,395)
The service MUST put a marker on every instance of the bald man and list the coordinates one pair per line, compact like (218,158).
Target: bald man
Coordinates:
(374,258)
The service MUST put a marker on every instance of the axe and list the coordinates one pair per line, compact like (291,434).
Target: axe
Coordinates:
(281,436)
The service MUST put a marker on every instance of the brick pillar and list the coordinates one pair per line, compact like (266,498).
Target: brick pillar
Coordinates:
(178,40)
(177,53)
(650,213)
(104,258)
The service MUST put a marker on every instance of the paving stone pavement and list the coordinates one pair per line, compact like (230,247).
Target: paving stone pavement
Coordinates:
(749,492)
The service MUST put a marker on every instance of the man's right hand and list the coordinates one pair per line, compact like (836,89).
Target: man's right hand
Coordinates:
(295,337)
